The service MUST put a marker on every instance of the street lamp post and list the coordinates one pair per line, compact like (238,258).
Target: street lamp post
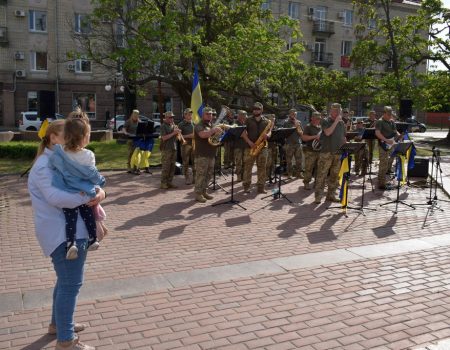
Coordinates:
(112,84)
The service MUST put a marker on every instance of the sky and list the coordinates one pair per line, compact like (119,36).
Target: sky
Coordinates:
(438,65)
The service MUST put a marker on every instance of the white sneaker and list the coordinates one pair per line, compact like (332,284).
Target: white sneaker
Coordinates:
(72,252)
(93,246)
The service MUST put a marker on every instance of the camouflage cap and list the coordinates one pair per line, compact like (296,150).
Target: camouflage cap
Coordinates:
(207,110)
(336,106)
(187,110)
(388,110)
(242,112)
(292,110)
(169,114)
(316,115)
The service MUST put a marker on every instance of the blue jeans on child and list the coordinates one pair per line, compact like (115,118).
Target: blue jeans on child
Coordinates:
(87,214)
(69,279)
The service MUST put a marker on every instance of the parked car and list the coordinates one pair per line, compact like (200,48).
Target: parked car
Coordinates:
(359,118)
(415,126)
(120,122)
(29,121)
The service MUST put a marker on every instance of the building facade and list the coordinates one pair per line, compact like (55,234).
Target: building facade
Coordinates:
(36,37)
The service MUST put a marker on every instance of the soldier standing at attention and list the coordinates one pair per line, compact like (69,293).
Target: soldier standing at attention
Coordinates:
(129,129)
(204,155)
(293,146)
(168,149)
(332,138)
(187,155)
(311,133)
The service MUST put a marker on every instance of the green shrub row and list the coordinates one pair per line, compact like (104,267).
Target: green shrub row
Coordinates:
(23,150)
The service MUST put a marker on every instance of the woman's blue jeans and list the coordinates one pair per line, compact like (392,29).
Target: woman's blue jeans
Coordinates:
(69,279)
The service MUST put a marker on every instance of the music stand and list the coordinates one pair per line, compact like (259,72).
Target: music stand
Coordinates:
(232,134)
(400,149)
(145,129)
(352,148)
(279,136)
(369,134)
(214,183)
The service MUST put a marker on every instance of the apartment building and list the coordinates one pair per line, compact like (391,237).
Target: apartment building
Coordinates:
(36,36)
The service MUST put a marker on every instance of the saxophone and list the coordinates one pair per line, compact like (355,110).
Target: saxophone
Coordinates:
(261,142)
(216,139)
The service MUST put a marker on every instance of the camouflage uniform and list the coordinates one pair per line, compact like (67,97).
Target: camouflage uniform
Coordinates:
(293,148)
(186,150)
(228,151)
(168,155)
(311,156)
(388,130)
(239,147)
(254,130)
(204,168)
(329,163)
(272,153)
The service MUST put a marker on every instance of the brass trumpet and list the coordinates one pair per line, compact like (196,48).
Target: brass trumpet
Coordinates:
(179,136)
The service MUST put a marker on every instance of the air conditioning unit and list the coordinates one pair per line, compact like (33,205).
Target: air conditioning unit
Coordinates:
(19,55)
(21,73)
(19,13)
(71,67)
(341,14)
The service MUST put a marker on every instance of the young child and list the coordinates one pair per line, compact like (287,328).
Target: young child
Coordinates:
(75,171)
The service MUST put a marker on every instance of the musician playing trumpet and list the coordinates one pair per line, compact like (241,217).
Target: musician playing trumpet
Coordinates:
(204,154)
(311,132)
(386,132)
(168,147)
(293,146)
(256,135)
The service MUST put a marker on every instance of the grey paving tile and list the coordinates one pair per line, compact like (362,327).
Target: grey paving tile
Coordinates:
(316,259)
(10,302)
(439,240)
(383,249)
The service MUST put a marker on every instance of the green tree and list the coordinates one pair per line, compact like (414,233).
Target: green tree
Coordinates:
(240,49)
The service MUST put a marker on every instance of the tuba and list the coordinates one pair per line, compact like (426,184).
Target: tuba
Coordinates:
(261,142)
(216,139)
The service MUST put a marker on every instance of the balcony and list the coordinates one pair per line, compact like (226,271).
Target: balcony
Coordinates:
(320,58)
(323,27)
(3,36)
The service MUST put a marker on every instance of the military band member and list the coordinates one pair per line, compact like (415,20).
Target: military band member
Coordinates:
(168,147)
(385,131)
(187,130)
(272,154)
(228,150)
(371,142)
(239,146)
(332,138)
(130,128)
(204,155)
(311,133)
(256,125)
(293,146)
(359,156)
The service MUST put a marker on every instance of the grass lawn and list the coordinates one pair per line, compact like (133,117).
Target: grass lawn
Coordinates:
(109,155)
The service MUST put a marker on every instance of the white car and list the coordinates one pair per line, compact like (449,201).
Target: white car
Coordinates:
(120,122)
(29,121)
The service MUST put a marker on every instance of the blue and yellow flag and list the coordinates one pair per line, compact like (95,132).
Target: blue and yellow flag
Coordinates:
(344,172)
(401,169)
(43,129)
(196,97)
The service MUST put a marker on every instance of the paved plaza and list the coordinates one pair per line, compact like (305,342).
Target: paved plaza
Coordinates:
(177,274)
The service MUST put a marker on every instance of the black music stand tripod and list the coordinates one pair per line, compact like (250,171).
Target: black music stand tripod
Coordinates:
(213,184)
(400,150)
(352,148)
(369,134)
(436,172)
(279,136)
(232,134)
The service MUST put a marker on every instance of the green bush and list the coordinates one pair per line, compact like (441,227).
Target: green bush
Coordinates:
(24,150)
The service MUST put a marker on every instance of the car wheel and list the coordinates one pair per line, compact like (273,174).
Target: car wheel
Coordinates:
(422,129)
(119,129)
(31,128)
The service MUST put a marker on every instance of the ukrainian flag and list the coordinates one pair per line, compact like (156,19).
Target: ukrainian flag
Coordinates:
(196,97)
(344,174)
(43,129)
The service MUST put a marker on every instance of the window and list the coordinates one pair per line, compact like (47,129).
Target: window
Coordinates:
(32,100)
(319,50)
(346,48)
(266,5)
(83,66)
(86,101)
(348,17)
(167,104)
(38,61)
(372,23)
(82,25)
(38,21)
(294,10)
